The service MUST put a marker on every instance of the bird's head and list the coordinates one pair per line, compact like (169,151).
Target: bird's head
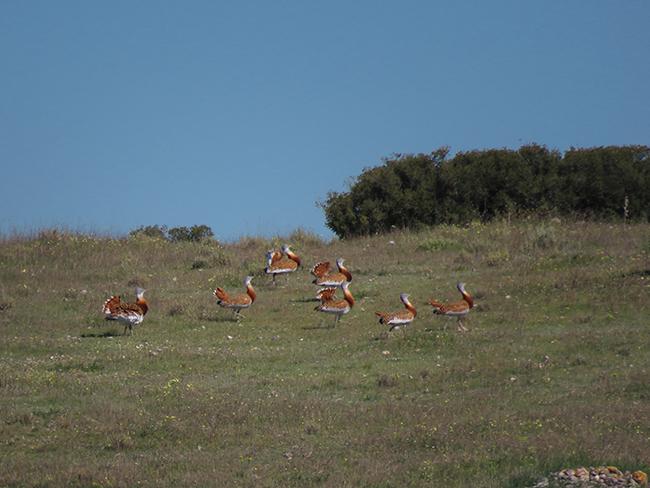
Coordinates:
(247,280)
(461,287)
(404,297)
(139,293)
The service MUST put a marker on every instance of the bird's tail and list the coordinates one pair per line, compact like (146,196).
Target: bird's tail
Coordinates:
(320,269)
(437,306)
(221,295)
(111,305)
(325,294)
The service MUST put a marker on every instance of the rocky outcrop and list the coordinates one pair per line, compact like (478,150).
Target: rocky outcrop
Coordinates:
(600,476)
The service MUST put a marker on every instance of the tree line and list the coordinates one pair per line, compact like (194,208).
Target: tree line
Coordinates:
(413,190)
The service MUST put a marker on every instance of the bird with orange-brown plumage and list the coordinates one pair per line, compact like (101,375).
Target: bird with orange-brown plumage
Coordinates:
(236,302)
(330,304)
(326,277)
(458,309)
(397,320)
(130,314)
(277,264)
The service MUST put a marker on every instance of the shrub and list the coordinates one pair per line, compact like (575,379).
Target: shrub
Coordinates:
(401,193)
(199,264)
(196,233)
(412,191)
(154,231)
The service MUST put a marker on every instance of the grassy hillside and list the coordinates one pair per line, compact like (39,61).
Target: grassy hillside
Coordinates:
(195,398)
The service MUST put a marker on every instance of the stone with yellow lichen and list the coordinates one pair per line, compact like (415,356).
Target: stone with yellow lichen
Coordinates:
(640,477)
(594,477)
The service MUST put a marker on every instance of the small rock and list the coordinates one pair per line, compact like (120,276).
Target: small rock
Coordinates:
(640,477)
(596,476)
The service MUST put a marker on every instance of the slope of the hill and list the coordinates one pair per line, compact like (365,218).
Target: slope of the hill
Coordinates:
(554,371)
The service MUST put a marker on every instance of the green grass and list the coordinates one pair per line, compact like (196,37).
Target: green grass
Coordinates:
(193,398)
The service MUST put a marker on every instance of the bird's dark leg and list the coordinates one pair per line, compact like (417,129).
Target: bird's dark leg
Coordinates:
(125,327)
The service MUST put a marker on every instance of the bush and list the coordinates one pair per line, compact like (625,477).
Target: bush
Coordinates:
(154,231)
(428,189)
(196,233)
(402,193)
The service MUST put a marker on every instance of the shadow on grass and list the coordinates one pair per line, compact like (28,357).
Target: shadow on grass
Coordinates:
(639,273)
(304,300)
(279,283)
(217,319)
(318,327)
(108,333)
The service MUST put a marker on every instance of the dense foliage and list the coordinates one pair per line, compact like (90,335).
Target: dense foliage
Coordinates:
(409,191)
(195,233)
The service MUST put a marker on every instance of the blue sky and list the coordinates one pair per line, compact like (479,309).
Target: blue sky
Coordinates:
(241,115)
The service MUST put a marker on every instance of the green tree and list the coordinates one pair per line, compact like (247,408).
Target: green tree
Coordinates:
(596,181)
(400,193)
(483,184)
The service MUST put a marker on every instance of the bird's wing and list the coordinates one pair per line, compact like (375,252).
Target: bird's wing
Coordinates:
(131,308)
(240,299)
(320,269)
(455,307)
(401,317)
(283,265)
(112,305)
